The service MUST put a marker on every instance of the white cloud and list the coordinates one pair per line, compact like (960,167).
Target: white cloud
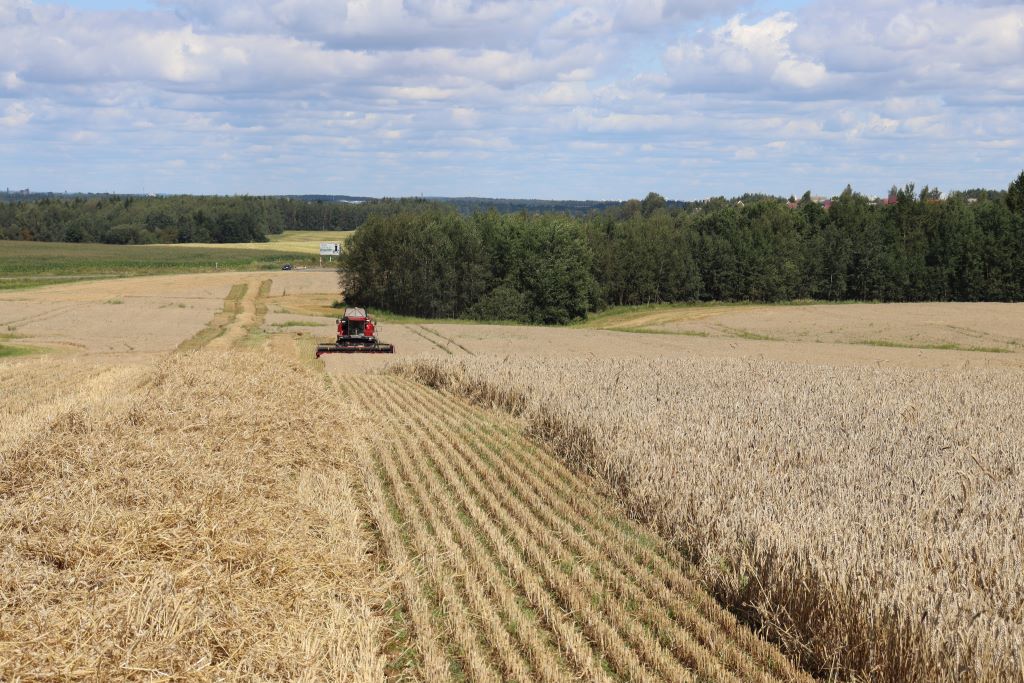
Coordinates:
(15,115)
(573,93)
(799,74)
(465,117)
(544,92)
(744,56)
(10,81)
(84,136)
(933,45)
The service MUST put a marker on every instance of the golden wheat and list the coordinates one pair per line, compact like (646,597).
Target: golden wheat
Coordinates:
(868,517)
(506,554)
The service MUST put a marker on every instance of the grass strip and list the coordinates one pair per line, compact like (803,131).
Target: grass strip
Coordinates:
(947,346)
(220,321)
(11,351)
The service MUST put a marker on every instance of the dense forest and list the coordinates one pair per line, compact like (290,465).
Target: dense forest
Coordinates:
(434,262)
(430,260)
(146,220)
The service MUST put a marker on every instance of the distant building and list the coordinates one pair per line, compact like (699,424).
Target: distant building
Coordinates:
(817,199)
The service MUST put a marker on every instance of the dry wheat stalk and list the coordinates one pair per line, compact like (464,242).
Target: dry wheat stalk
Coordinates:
(184,519)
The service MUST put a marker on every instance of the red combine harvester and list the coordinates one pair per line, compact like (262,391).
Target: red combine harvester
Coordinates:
(356,334)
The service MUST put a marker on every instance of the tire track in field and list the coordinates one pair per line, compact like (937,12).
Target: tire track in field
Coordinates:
(529,573)
(446,339)
(244,311)
(419,333)
(37,317)
(250,311)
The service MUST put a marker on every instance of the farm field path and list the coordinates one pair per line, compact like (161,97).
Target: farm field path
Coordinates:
(513,568)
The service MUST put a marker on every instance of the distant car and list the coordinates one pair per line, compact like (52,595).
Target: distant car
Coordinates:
(286,266)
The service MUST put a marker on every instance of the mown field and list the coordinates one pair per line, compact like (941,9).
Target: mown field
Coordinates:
(306,242)
(937,326)
(187,520)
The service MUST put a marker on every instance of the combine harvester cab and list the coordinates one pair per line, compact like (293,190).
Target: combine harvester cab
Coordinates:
(356,334)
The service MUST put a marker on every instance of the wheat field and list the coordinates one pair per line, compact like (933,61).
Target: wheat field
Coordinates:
(227,511)
(868,519)
(184,520)
(514,568)
(218,507)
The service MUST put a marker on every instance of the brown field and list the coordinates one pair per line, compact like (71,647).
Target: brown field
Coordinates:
(185,494)
(126,317)
(991,327)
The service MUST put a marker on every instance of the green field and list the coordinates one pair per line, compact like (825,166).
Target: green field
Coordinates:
(36,264)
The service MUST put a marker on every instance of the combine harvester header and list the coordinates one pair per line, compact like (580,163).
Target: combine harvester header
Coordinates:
(356,334)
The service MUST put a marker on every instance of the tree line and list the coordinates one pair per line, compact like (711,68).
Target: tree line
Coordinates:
(133,219)
(432,261)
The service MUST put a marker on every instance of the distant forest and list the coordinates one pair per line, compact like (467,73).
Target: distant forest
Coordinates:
(430,260)
(147,220)
(138,219)
(552,262)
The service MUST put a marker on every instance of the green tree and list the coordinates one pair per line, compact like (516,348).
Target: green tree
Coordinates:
(1015,195)
(651,203)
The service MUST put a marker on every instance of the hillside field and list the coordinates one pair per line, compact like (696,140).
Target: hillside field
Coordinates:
(667,494)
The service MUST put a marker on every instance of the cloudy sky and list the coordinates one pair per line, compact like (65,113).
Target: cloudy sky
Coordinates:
(510,98)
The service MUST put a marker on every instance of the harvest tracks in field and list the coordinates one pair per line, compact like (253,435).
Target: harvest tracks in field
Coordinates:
(513,568)
(244,311)
(439,340)
(446,340)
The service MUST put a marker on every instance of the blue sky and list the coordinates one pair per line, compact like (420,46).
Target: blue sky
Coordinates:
(510,98)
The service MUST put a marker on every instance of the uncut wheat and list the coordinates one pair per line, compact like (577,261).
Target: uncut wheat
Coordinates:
(870,519)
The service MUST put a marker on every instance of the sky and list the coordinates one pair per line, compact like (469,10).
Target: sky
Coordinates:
(549,99)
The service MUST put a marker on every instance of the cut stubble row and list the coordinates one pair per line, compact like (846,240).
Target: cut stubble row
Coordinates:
(517,571)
